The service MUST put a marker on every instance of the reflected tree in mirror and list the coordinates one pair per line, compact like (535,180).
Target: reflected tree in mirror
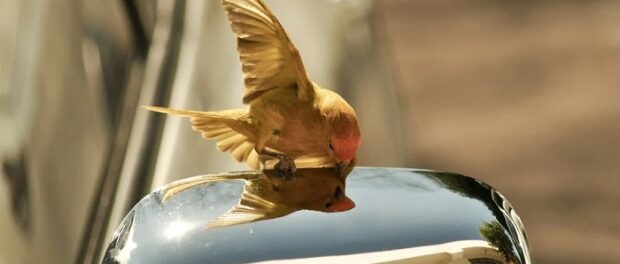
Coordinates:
(475,189)
(496,235)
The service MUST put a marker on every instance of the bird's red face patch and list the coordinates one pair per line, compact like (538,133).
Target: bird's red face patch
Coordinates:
(345,148)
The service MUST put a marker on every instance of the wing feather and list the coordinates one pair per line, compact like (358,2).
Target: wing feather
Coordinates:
(269,59)
(231,128)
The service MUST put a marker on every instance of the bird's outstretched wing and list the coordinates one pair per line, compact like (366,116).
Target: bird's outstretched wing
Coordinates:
(269,59)
(231,128)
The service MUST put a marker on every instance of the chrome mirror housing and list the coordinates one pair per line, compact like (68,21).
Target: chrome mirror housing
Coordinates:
(401,216)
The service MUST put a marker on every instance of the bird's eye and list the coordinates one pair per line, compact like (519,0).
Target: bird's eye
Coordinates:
(331,146)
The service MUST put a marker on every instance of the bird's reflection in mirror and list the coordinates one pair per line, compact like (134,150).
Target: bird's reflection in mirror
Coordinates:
(266,195)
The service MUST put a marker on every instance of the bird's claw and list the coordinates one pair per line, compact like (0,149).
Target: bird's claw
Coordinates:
(286,167)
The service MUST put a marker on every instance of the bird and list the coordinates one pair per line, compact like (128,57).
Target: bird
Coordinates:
(289,117)
(266,196)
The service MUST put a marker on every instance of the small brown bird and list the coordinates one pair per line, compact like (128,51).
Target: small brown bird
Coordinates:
(289,116)
(266,196)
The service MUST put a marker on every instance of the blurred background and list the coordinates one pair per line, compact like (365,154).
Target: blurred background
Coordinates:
(522,95)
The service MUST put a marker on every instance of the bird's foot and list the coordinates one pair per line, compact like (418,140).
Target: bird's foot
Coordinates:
(286,167)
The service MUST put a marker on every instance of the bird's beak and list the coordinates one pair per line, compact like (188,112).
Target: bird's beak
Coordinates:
(345,167)
(342,166)
(341,205)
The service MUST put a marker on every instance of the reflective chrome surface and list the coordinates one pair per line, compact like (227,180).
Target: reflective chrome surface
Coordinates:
(395,209)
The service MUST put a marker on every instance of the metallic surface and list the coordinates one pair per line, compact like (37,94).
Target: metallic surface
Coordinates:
(396,209)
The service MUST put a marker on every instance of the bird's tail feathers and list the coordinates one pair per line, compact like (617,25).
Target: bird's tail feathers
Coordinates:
(174,111)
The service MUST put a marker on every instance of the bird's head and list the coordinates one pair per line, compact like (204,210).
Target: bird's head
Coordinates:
(344,142)
(338,202)
(344,150)
(343,132)
(318,189)
(334,201)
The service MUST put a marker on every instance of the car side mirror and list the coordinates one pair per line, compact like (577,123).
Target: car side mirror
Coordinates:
(419,216)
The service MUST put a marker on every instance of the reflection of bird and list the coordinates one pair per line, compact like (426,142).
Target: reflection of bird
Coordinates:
(289,116)
(266,195)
